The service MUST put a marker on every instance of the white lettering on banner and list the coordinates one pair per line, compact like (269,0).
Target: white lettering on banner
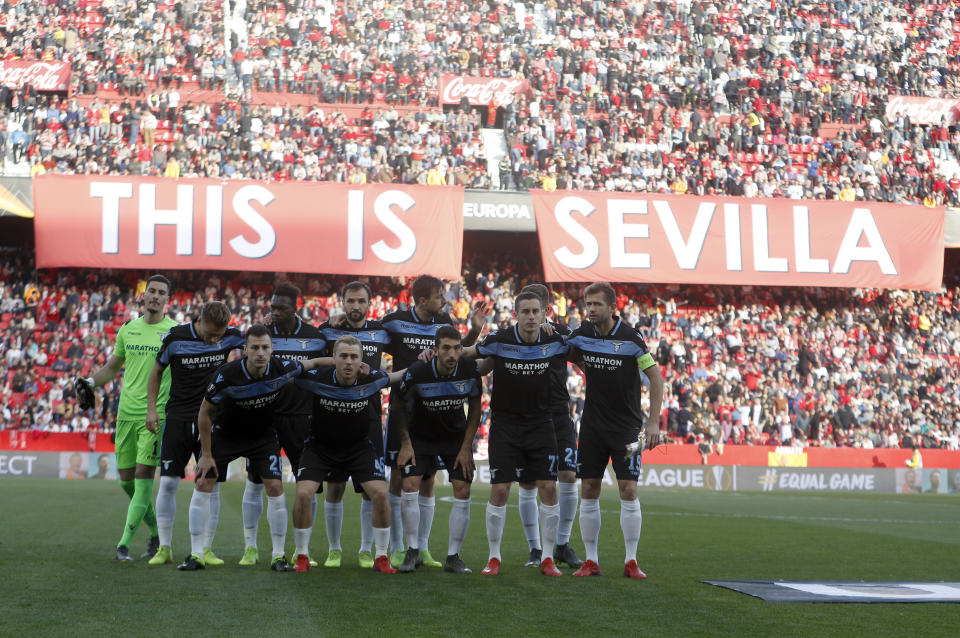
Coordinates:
(17,465)
(44,76)
(480,92)
(836,481)
(670,477)
(922,110)
(687,251)
(496,211)
(149,217)
(382,208)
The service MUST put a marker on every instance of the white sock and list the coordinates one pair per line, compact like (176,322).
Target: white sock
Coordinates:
(396,523)
(631,520)
(251,509)
(366,525)
(381,540)
(528,516)
(301,537)
(496,517)
(277,518)
(567,495)
(166,508)
(333,515)
(211,530)
(590,526)
(459,524)
(410,515)
(549,519)
(428,505)
(199,513)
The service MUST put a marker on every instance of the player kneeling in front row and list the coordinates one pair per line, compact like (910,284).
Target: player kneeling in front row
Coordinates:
(235,420)
(442,437)
(339,444)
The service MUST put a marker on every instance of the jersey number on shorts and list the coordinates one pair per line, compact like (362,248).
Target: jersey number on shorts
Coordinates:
(275,464)
(570,458)
(634,463)
(553,463)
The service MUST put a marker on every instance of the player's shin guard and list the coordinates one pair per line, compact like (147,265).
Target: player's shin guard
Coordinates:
(567,496)
(166,508)
(199,514)
(251,509)
(631,519)
(496,517)
(549,520)
(277,518)
(528,516)
(410,515)
(333,515)
(214,519)
(366,525)
(427,506)
(381,540)
(301,537)
(396,523)
(590,526)
(459,524)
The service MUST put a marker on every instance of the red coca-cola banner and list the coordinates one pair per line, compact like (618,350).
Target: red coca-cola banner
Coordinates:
(314,227)
(590,236)
(43,76)
(481,91)
(923,110)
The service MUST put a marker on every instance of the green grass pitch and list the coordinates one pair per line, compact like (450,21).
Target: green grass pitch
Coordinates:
(58,576)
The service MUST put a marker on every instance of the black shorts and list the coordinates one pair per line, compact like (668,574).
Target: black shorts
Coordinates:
(566,433)
(361,462)
(293,430)
(391,446)
(262,453)
(522,449)
(431,458)
(598,446)
(180,439)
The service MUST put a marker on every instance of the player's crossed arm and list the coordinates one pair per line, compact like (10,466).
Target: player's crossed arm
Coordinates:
(322,362)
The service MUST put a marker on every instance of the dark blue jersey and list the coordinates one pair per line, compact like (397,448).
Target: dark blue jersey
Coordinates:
(305,342)
(245,404)
(342,416)
(192,363)
(434,403)
(409,336)
(612,365)
(522,375)
(372,335)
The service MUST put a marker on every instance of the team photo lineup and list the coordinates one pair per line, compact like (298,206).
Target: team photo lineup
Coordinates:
(313,393)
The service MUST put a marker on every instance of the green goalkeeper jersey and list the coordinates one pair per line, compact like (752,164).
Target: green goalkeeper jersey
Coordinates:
(137,345)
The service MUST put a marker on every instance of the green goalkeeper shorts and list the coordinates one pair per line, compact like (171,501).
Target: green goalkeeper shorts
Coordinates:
(135,444)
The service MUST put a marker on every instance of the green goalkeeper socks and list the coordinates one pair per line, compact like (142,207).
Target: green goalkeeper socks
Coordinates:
(138,510)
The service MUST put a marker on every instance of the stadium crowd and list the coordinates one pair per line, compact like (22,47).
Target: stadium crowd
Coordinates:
(776,366)
(683,96)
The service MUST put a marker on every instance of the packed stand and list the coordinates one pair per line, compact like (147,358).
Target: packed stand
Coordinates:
(683,97)
(793,366)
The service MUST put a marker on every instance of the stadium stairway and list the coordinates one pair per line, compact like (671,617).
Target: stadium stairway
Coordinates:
(495,148)
(11,168)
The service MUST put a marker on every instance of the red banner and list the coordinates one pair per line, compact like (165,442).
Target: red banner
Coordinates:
(206,224)
(923,110)
(43,76)
(590,236)
(481,91)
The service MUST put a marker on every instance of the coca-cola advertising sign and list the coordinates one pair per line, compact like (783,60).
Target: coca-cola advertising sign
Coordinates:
(43,76)
(481,91)
(922,110)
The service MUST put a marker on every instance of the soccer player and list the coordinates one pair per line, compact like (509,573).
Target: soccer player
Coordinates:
(236,419)
(355,298)
(566,434)
(193,352)
(522,436)
(137,448)
(442,437)
(339,444)
(612,355)
(293,340)
(411,332)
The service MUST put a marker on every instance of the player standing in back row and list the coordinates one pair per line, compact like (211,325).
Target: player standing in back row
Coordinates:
(612,355)
(138,449)
(192,351)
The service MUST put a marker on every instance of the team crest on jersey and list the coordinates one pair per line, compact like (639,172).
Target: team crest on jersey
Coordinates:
(303,343)
(616,345)
(460,385)
(544,349)
(373,335)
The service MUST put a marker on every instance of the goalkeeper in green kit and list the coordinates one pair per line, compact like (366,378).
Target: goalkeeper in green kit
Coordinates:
(138,449)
